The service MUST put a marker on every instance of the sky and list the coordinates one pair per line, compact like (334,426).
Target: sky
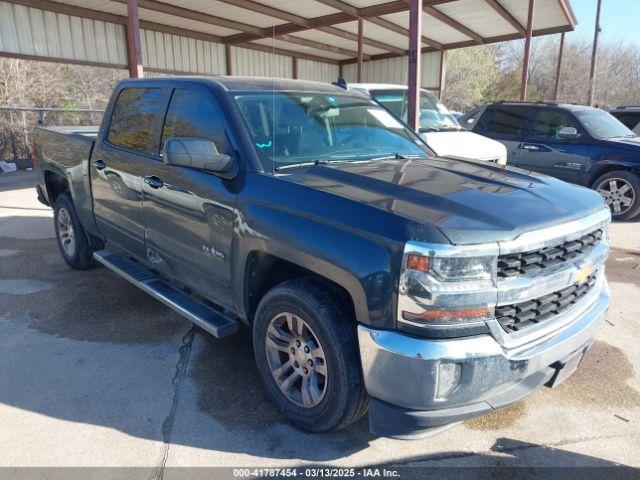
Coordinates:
(619,19)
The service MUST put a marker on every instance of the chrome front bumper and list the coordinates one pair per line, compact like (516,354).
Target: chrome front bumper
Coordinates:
(402,372)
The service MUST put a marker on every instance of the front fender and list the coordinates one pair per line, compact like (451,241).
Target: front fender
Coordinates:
(613,161)
(361,265)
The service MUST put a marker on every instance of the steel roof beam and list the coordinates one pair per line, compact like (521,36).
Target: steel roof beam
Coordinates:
(471,43)
(318,46)
(437,14)
(503,12)
(376,20)
(319,23)
(365,40)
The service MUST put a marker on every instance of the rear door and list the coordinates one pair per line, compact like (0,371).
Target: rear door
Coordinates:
(543,151)
(189,214)
(131,138)
(506,124)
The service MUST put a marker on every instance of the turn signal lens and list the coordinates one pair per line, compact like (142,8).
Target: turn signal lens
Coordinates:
(417,262)
(439,316)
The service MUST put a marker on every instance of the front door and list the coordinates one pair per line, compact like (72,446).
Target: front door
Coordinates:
(189,214)
(116,176)
(545,152)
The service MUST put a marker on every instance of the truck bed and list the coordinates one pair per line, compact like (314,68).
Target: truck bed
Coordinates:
(65,147)
(82,132)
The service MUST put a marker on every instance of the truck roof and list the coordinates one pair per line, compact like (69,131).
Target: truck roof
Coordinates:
(379,86)
(545,103)
(239,84)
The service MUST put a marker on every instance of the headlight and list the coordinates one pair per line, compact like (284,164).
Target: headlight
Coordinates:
(443,285)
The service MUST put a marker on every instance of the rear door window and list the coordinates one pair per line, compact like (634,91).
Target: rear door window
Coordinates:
(548,122)
(193,113)
(132,119)
(507,121)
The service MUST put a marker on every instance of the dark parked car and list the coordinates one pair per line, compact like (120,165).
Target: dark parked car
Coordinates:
(630,116)
(371,274)
(578,144)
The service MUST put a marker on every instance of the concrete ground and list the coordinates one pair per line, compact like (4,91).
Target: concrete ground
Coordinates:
(93,372)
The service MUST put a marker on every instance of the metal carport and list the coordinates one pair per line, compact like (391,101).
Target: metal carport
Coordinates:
(363,40)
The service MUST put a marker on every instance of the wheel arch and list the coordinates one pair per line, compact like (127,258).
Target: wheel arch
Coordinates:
(607,166)
(264,270)
(55,183)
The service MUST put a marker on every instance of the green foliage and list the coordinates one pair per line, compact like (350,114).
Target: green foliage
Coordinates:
(470,76)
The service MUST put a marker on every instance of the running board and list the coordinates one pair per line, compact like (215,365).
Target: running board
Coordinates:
(207,318)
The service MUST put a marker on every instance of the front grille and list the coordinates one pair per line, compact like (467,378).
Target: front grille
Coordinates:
(533,261)
(518,316)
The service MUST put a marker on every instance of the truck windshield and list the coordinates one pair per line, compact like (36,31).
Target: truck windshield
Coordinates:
(293,128)
(434,116)
(601,124)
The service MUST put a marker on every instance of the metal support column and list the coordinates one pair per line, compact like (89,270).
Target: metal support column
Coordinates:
(360,52)
(227,59)
(415,36)
(527,51)
(556,87)
(133,40)
(594,53)
(441,78)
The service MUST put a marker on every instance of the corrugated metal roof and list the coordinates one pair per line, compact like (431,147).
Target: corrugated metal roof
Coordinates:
(189,35)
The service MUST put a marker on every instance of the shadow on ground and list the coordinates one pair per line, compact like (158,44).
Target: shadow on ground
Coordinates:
(90,348)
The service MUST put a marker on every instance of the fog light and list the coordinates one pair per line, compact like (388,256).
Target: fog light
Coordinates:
(448,378)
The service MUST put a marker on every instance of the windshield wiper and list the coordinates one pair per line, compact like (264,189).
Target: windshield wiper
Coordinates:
(303,164)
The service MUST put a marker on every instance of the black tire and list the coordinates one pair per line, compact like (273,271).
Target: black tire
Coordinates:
(80,257)
(345,398)
(622,177)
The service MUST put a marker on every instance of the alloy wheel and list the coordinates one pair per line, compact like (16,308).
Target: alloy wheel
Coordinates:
(296,360)
(66,232)
(618,194)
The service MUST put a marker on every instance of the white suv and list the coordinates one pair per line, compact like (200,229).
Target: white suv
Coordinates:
(438,126)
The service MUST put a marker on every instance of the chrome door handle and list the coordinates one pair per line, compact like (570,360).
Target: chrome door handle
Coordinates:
(530,147)
(153,181)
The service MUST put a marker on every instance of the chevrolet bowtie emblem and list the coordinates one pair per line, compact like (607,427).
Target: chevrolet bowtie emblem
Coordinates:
(582,274)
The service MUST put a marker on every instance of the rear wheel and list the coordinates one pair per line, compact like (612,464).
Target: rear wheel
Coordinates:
(72,239)
(621,192)
(307,354)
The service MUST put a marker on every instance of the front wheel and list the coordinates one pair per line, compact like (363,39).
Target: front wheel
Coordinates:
(621,192)
(307,354)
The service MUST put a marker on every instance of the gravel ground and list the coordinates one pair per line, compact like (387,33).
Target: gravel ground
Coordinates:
(96,373)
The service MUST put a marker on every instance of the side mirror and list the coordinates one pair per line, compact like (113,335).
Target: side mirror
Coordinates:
(198,153)
(568,133)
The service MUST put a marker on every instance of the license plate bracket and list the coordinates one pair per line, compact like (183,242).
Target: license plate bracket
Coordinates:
(565,368)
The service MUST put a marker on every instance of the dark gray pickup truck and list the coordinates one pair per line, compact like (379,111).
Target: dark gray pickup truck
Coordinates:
(373,275)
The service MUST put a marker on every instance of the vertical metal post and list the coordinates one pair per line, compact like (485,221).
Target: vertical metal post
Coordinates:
(594,52)
(227,59)
(415,34)
(133,40)
(527,51)
(556,87)
(360,53)
(294,68)
(442,76)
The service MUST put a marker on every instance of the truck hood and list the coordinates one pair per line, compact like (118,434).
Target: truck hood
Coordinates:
(468,201)
(465,144)
(628,143)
